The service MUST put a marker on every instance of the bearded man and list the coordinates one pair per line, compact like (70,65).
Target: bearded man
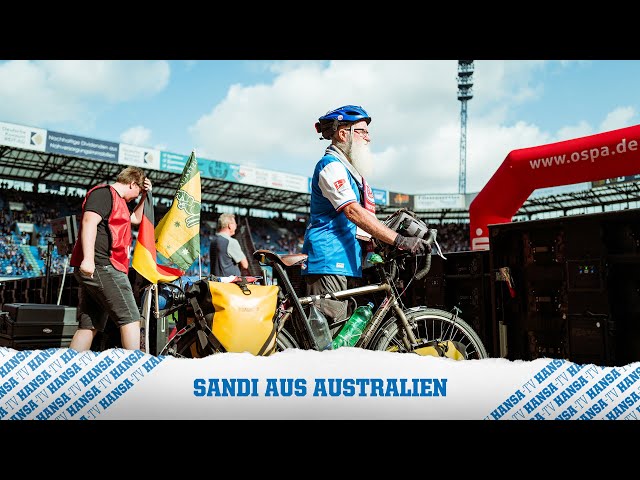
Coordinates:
(342,206)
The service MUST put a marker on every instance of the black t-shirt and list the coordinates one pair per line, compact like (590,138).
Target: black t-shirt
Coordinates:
(99,201)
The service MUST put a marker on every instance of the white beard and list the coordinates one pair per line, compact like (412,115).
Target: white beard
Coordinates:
(361,158)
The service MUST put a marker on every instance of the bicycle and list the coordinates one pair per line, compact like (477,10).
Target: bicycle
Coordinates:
(392,328)
(421,330)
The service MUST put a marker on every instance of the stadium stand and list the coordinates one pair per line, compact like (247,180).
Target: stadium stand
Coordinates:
(23,253)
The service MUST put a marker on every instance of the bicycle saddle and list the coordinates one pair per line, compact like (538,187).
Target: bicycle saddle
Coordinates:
(287,260)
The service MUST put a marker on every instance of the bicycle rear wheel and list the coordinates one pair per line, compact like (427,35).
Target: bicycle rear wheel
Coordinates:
(438,332)
(191,342)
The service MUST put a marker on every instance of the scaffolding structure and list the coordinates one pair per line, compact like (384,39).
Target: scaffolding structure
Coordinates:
(465,82)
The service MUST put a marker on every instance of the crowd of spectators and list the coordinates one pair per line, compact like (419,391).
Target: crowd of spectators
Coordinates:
(24,253)
(453,237)
(12,256)
(277,234)
(12,259)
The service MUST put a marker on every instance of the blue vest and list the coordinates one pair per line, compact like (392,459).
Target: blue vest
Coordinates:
(330,239)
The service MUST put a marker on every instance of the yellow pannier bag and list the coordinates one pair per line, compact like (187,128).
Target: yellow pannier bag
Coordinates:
(448,349)
(244,316)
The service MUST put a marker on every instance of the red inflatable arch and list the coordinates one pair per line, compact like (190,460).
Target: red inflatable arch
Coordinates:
(595,157)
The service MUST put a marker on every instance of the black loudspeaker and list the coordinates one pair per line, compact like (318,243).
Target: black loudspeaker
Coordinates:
(430,290)
(623,323)
(587,337)
(530,318)
(434,291)
(31,325)
(34,343)
(65,232)
(576,288)
(467,286)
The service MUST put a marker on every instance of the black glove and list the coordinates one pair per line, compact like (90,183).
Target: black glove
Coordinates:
(415,245)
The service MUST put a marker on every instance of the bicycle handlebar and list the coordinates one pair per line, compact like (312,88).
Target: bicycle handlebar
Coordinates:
(431,237)
(421,274)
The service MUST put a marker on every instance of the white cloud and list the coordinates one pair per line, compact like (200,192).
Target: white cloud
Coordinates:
(138,135)
(27,97)
(569,132)
(416,130)
(52,92)
(115,81)
(415,127)
(491,145)
(619,118)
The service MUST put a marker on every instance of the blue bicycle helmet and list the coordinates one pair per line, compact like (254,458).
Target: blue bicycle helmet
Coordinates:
(329,122)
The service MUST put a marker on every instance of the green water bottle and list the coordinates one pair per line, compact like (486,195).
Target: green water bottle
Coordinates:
(352,330)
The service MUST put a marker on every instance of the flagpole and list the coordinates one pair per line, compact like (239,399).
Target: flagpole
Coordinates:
(199,262)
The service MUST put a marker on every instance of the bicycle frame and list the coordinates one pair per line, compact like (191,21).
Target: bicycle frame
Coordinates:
(390,302)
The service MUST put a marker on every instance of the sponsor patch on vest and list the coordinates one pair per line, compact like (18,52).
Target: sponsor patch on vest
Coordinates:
(340,265)
(339,183)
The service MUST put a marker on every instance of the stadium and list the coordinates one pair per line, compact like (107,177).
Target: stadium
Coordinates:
(46,174)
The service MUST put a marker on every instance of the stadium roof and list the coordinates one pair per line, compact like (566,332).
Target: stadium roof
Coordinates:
(575,202)
(55,169)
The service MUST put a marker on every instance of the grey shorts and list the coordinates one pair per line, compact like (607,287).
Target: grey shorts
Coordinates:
(318,284)
(107,295)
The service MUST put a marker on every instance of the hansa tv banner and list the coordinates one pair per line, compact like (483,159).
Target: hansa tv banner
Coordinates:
(348,383)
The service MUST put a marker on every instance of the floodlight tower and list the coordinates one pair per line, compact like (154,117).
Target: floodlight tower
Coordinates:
(465,82)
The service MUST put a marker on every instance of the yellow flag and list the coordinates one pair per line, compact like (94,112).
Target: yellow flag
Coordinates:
(178,233)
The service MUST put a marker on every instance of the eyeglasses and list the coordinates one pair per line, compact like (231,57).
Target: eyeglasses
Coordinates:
(363,132)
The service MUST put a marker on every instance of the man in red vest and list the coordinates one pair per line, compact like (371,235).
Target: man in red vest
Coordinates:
(101,257)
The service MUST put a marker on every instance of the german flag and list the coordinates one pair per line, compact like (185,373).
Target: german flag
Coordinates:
(144,253)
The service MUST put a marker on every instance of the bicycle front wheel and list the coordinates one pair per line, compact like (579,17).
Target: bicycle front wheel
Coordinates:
(191,342)
(438,333)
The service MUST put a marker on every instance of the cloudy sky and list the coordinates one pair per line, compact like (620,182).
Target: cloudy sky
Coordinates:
(262,113)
